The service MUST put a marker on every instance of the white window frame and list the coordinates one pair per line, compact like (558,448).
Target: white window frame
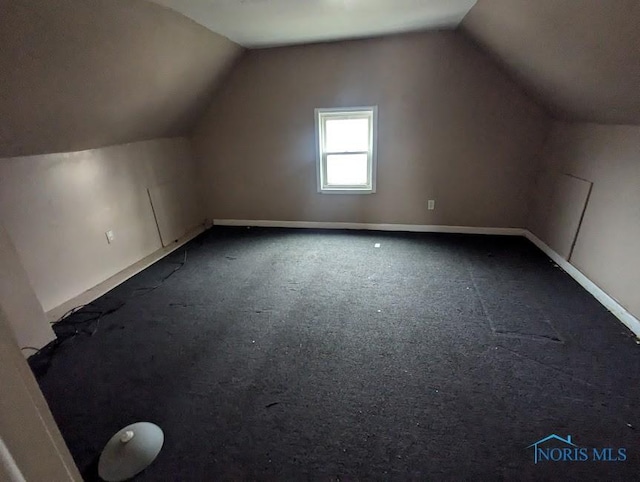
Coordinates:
(322,115)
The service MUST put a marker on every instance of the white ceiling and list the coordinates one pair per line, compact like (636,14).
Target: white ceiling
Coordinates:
(266,23)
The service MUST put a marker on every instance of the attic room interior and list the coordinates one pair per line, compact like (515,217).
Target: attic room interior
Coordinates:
(320,239)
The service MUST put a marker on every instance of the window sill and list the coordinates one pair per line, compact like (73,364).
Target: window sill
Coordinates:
(346,191)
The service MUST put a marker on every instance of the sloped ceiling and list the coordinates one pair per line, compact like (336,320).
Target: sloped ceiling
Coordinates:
(580,57)
(267,23)
(80,74)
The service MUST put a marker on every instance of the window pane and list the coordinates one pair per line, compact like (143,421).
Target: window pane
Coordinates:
(347,135)
(347,170)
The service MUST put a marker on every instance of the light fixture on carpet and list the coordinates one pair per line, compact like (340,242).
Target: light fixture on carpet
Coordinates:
(130,451)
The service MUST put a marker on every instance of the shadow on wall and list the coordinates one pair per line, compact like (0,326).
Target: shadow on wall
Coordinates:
(18,301)
(96,73)
(58,207)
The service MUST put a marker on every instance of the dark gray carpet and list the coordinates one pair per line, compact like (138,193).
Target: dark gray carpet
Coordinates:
(288,355)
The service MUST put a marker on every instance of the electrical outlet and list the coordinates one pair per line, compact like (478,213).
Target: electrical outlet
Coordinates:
(431,204)
(110,236)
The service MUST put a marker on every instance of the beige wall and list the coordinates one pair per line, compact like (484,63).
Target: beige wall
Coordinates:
(452,127)
(57,208)
(606,248)
(81,74)
(580,56)
(19,302)
(27,429)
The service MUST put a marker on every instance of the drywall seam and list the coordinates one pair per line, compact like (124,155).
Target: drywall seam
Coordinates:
(607,301)
(584,211)
(155,218)
(415,228)
(598,293)
(100,289)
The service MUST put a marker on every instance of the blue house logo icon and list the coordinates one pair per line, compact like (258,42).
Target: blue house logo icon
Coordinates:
(554,448)
(554,454)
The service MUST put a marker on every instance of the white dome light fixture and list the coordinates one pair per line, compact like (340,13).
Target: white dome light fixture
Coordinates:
(130,451)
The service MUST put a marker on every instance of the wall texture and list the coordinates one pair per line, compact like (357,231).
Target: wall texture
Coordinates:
(18,301)
(452,127)
(57,208)
(581,57)
(606,247)
(81,74)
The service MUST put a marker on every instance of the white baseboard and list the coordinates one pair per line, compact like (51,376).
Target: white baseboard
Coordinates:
(102,288)
(414,228)
(607,301)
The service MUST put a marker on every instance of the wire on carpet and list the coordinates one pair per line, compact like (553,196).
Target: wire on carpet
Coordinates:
(65,321)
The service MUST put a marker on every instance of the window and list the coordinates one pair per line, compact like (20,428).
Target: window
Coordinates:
(346,150)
